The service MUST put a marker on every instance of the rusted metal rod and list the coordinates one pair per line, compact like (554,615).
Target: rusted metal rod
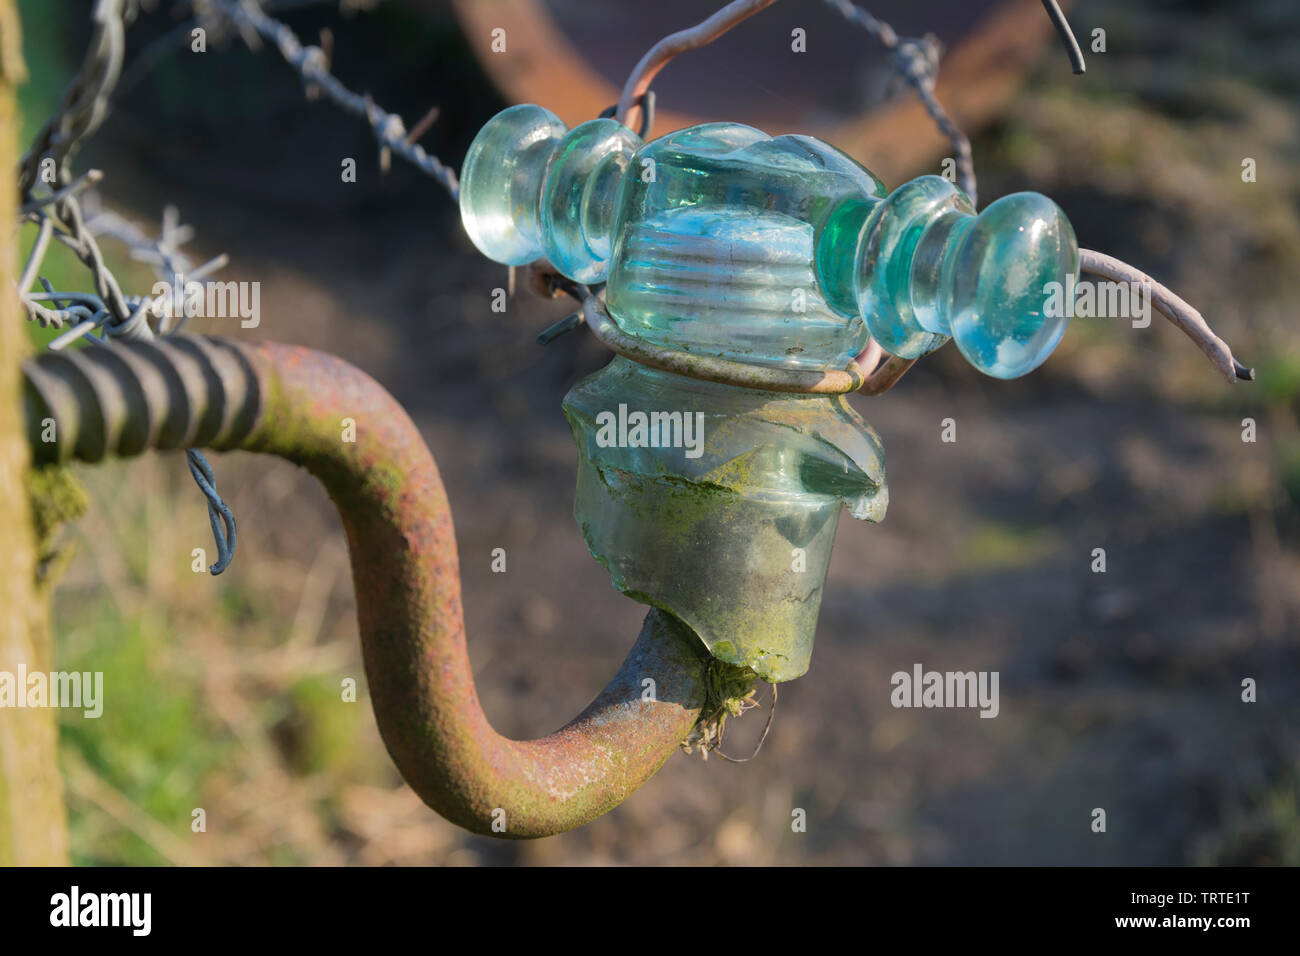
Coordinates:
(658,56)
(886,375)
(713,369)
(186,391)
(867,373)
(1173,308)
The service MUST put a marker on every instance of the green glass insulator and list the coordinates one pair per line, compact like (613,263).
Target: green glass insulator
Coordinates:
(882,278)
(932,270)
(1005,267)
(836,252)
(715,246)
(501,180)
(580,197)
(724,241)
(925,267)
(719,504)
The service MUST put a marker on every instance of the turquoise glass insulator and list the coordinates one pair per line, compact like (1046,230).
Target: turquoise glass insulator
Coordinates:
(722,240)
(882,278)
(925,267)
(500,182)
(836,251)
(579,197)
(1005,268)
(932,270)
(715,246)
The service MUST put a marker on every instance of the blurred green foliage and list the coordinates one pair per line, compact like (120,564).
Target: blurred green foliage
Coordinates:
(154,742)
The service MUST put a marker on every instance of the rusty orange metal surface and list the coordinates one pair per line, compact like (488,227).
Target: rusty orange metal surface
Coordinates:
(292,403)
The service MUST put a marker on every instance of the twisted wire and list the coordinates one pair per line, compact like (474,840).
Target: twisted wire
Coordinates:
(60,216)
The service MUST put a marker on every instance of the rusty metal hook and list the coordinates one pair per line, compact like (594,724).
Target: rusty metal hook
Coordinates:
(187,391)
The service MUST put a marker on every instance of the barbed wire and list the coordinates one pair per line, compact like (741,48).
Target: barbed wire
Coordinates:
(59,216)
(916,60)
(312,64)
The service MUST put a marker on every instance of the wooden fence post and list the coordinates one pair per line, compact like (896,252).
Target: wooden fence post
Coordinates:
(33,819)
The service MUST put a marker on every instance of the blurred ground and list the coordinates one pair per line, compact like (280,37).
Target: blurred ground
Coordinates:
(1119,691)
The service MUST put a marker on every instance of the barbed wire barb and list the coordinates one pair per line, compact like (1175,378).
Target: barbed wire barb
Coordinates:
(59,216)
(312,65)
(916,60)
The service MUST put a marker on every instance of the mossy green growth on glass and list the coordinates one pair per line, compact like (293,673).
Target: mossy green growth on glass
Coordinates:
(719,504)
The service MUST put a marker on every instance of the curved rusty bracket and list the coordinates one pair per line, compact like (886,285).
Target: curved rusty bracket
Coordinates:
(867,373)
(186,391)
